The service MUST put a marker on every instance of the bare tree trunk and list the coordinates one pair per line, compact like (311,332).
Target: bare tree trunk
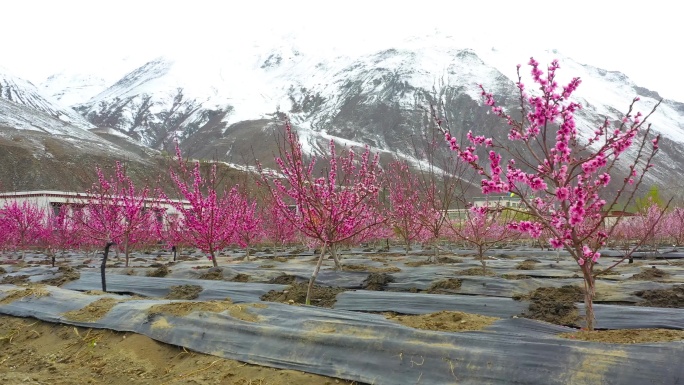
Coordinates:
(126,251)
(213,258)
(589,291)
(314,275)
(103,266)
(247,253)
(333,252)
(480,254)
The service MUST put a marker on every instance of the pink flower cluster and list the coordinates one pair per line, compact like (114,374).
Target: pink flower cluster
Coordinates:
(560,182)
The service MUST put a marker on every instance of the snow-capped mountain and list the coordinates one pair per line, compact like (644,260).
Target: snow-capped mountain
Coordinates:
(73,89)
(46,146)
(224,104)
(54,118)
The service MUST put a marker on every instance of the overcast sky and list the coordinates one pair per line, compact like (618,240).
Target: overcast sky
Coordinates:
(41,37)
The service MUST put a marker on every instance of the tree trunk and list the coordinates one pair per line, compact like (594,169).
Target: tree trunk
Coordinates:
(52,255)
(589,291)
(314,275)
(333,252)
(480,254)
(247,253)
(126,251)
(104,266)
(213,257)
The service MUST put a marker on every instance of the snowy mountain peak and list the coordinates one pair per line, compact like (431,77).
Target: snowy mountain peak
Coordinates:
(24,93)
(214,101)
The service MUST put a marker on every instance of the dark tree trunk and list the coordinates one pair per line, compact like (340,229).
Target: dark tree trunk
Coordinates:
(104,265)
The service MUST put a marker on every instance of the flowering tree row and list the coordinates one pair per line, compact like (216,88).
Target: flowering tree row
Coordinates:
(568,185)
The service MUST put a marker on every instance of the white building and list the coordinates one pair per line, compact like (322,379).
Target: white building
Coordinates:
(54,200)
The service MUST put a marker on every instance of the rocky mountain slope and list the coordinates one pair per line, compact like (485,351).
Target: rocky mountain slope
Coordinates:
(227,105)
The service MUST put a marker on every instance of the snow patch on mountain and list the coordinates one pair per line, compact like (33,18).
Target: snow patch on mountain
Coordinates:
(24,94)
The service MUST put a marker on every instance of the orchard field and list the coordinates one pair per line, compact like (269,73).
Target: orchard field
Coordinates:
(568,270)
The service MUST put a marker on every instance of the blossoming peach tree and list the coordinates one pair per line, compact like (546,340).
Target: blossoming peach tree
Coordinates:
(338,205)
(567,183)
(209,216)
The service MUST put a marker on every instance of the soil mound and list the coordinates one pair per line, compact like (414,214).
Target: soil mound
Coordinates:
(673,297)
(446,321)
(445,286)
(322,296)
(13,295)
(181,309)
(240,278)
(652,274)
(528,264)
(15,279)
(627,336)
(214,274)
(92,312)
(161,271)
(68,274)
(184,292)
(283,279)
(371,269)
(377,281)
(476,271)
(554,305)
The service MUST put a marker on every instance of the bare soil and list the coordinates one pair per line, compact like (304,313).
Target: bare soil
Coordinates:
(673,297)
(15,279)
(34,290)
(283,279)
(377,281)
(214,274)
(445,286)
(67,274)
(161,271)
(528,264)
(93,312)
(241,278)
(370,269)
(184,292)
(39,353)
(476,271)
(652,274)
(440,260)
(515,276)
(322,296)
(181,309)
(446,321)
(554,305)
(627,336)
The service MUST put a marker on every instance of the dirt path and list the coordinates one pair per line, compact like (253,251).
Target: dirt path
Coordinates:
(34,352)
